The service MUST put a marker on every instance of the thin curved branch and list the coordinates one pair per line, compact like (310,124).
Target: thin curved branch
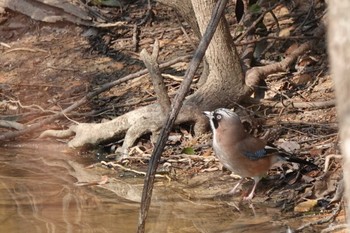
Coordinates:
(177,104)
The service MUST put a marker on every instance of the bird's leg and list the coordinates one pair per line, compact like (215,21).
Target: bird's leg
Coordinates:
(251,194)
(236,186)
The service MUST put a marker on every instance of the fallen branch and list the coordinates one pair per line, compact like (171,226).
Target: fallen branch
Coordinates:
(11,124)
(25,50)
(156,76)
(252,41)
(132,170)
(290,104)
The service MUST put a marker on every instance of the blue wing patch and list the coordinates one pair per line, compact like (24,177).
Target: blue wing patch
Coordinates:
(255,155)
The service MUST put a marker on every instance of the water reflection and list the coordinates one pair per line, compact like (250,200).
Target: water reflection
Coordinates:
(38,194)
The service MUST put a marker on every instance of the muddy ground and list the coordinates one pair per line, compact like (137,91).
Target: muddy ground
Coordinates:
(47,67)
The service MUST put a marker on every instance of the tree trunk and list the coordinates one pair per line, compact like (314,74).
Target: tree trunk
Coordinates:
(185,9)
(339,51)
(224,86)
(225,81)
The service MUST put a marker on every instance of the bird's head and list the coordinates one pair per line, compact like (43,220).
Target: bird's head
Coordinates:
(222,117)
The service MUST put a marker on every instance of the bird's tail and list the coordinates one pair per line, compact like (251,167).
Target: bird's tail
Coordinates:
(294,159)
(288,156)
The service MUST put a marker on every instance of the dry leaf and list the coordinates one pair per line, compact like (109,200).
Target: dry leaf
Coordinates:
(305,206)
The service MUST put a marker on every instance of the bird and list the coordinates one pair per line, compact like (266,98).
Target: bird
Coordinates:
(242,153)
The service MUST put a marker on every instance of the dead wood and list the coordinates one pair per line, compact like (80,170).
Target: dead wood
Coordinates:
(290,104)
(11,124)
(156,77)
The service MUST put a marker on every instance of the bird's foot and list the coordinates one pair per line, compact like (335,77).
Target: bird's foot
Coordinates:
(233,191)
(249,197)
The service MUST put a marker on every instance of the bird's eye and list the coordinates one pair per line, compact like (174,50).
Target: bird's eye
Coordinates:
(218,117)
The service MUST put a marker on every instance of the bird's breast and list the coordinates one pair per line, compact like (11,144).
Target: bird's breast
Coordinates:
(226,158)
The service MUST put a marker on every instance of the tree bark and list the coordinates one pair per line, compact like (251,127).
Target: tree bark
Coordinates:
(339,51)
(225,81)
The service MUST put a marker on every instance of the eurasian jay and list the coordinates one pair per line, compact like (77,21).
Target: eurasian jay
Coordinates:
(243,154)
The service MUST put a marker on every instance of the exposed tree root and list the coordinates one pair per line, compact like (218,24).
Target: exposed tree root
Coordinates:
(105,87)
(133,125)
(149,119)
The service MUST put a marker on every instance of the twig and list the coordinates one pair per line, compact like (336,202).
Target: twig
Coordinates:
(328,158)
(318,138)
(136,37)
(104,180)
(256,22)
(334,228)
(109,25)
(290,104)
(276,38)
(132,170)
(26,50)
(306,18)
(173,77)
(105,87)
(32,106)
(177,103)
(5,45)
(149,14)
(187,37)
(40,108)
(276,21)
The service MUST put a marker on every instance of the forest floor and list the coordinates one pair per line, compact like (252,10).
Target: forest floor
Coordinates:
(45,68)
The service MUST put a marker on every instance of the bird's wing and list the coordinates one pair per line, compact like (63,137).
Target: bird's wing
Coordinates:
(255,155)
(254,148)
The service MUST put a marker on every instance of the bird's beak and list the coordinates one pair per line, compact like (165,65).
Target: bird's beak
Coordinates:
(208,114)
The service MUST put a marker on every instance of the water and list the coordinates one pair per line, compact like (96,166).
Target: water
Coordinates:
(38,193)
